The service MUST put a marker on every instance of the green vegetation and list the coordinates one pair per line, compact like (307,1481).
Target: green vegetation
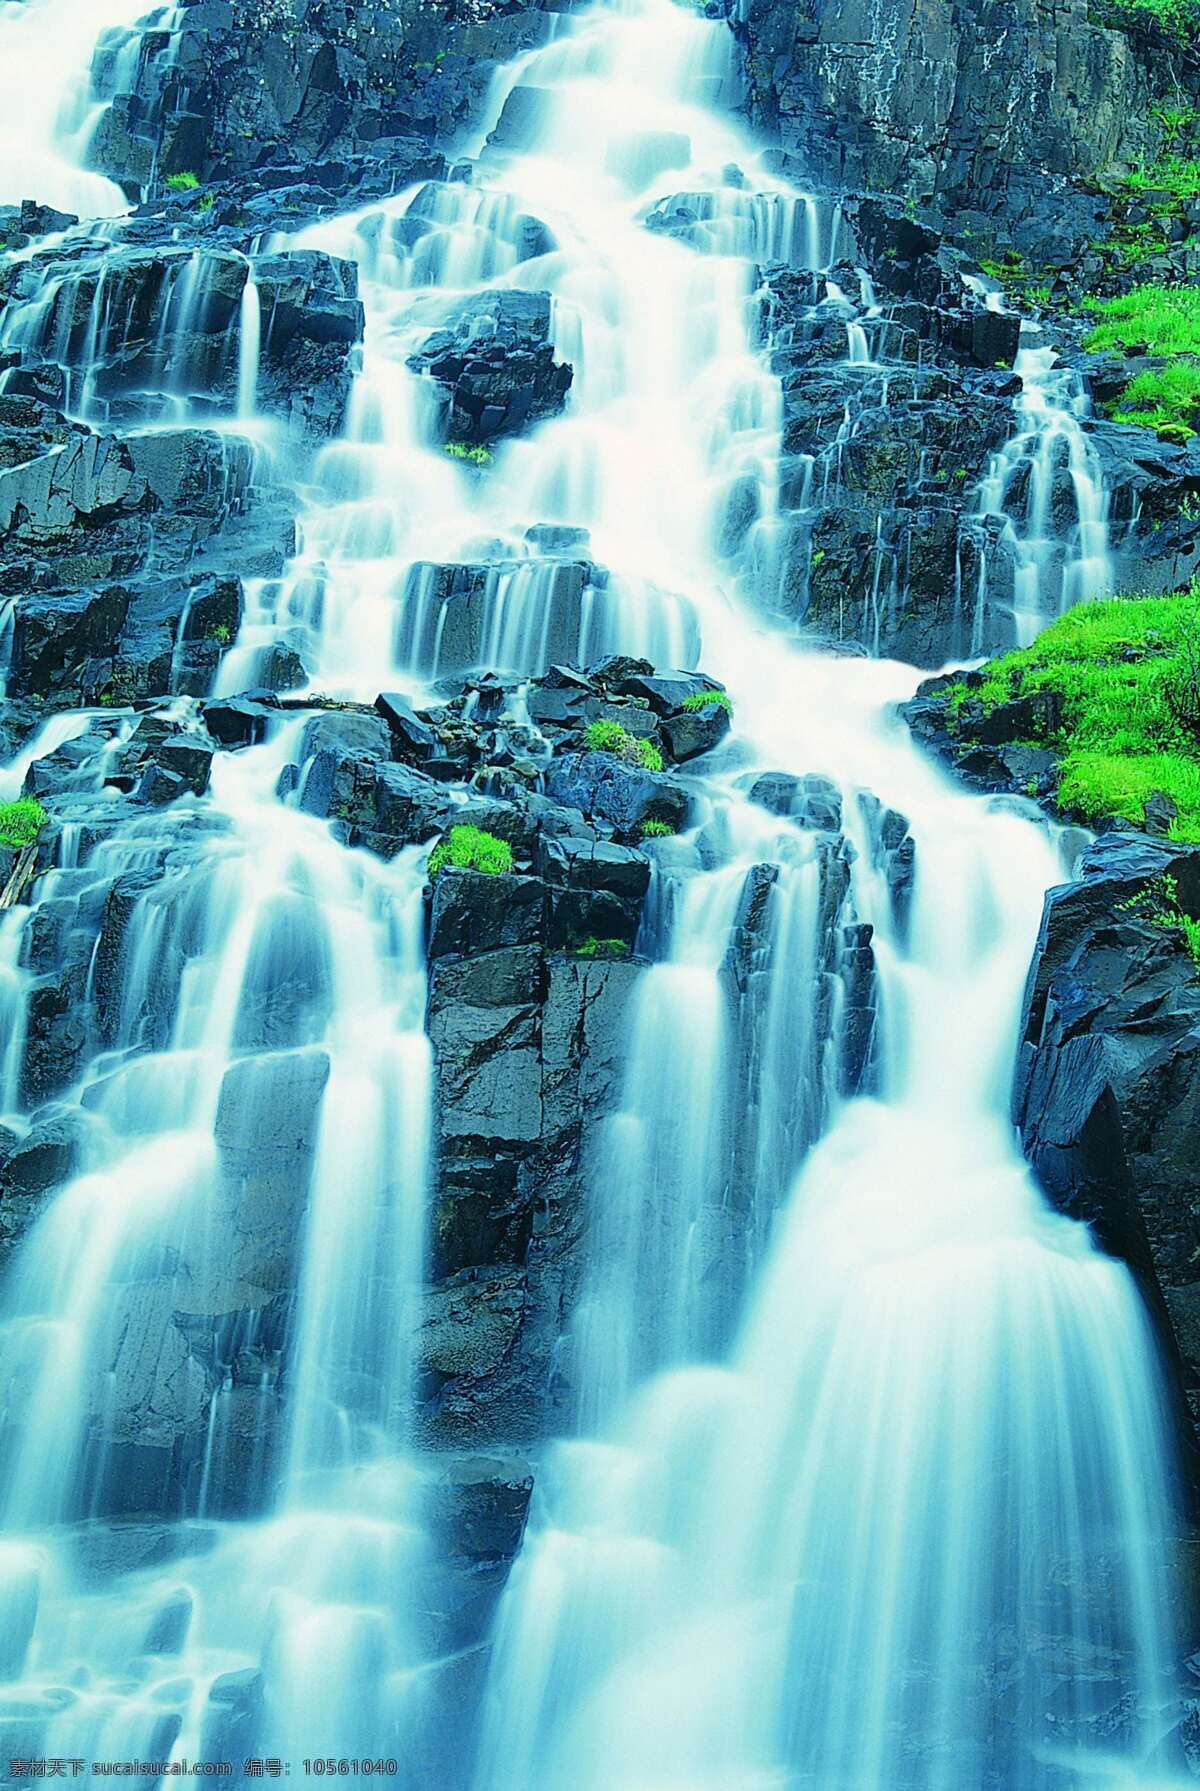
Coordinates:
(182,183)
(657,830)
(222,633)
(471,849)
(708,699)
(1160,320)
(21,822)
(1120,689)
(206,202)
(1179,19)
(602,948)
(1174,177)
(473,452)
(1159,904)
(610,736)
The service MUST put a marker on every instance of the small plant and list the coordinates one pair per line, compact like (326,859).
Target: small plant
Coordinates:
(1159,904)
(709,699)
(206,202)
(182,183)
(471,849)
(657,830)
(222,633)
(610,736)
(602,948)
(21,822)
(473,452)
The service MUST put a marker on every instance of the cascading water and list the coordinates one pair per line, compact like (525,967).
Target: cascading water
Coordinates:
(1047,490)
(868,1489)
(48,112)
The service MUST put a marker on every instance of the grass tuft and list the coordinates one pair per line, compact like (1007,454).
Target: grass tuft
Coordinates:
(21,822)
(610,736)
(708,699)
(471,849)
(474,453)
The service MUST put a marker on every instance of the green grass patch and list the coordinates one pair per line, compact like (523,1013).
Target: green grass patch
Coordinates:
(610,736)
(657,830)
(707,699)
(1127,675)
(471,849)
(21,822)
(182,183)
(1160,320)
(602,948)
(474,453)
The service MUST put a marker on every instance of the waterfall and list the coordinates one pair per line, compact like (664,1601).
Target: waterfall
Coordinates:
(249,347)
(1052,567)
(47,113)
(867,1485)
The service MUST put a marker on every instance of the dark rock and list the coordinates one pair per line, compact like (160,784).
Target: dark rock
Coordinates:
(495,366)
(474,912)
(617,795)
(695,731)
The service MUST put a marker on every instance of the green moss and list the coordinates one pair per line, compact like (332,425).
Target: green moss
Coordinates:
(610,736)
(182,183)
(707,699)
(21,822)
(473,452)
(471,849)
(602,948)
(657,830)
(1125,671)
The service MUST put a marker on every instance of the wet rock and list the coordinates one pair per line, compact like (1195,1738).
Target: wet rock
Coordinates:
(495,366)
(380,805)
(478,1508)
(695,731)
(474,913)
(810,801)
(168,1630)
(1107,1078)
(231,1716)
(237,721)
(617,795)
(414,738)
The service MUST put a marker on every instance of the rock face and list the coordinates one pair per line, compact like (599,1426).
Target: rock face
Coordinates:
(1004,107)
(1107,1084)
(248,87)
(495,366)
(139,330)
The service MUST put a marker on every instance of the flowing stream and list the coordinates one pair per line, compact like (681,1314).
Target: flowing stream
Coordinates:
(868,1491)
